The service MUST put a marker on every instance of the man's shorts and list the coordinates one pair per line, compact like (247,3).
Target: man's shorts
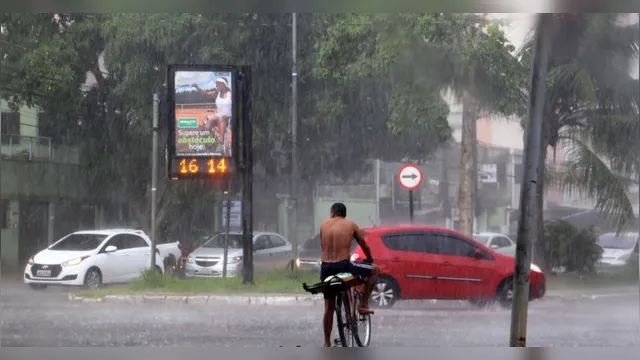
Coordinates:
(357,269)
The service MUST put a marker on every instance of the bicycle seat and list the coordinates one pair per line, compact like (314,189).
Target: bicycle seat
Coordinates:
(346,277)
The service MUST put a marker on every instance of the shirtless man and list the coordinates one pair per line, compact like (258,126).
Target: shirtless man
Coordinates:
(336,234)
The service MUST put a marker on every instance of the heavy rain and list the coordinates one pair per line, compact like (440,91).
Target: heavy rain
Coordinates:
(164,179)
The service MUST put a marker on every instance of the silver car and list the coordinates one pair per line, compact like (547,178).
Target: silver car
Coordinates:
(270,251)
(498,242)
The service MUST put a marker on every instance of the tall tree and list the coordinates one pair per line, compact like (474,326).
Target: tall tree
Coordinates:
(463,53)
(126,56)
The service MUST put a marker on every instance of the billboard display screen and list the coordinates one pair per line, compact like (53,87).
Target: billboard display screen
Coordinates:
(204,113)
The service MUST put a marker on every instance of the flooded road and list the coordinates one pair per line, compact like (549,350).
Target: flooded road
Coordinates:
(48,318)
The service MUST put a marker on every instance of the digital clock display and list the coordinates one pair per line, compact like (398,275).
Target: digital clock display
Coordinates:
(200,167)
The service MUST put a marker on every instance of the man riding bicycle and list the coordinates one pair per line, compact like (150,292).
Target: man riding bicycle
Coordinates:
(336,235)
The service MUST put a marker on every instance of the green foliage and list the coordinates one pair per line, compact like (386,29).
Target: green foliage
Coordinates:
(151,279)
(591,106)
(412,59)
(370,86)
(564,245)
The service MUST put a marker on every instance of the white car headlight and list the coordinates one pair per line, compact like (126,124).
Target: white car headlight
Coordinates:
(30,261)
(74,262)
(234,260)
(190,260)
(535,268)
(354,257)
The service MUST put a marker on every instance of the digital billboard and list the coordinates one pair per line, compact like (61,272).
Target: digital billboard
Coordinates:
(204,113)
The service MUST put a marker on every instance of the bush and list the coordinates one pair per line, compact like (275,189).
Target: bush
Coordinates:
(564,245)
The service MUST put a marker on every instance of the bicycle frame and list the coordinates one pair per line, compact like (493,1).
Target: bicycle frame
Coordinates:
(348,288)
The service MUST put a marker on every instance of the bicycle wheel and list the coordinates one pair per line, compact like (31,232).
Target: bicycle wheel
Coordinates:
(344,320)
(362,327)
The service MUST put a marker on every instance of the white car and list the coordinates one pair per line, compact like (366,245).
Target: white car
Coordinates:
(95,257)
(618,250)
(270,251)
(498,242)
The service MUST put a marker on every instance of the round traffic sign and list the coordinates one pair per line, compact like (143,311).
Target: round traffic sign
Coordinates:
(410,176)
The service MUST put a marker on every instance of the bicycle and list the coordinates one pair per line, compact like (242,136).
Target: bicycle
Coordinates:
(347,299)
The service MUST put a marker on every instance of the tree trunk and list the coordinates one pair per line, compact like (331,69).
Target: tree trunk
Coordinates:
(465,189)
(475,203)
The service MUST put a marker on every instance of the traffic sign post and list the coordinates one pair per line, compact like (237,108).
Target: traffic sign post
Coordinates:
(410,177)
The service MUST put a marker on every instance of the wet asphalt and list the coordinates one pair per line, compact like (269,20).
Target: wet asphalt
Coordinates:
(48,318)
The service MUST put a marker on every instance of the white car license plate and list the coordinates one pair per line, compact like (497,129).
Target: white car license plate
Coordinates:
(43,273)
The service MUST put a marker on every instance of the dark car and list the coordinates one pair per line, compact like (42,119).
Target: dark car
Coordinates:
(309,255)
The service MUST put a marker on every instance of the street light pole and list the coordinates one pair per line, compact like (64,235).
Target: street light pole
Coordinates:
(294,138)
(527,225)
(154,177)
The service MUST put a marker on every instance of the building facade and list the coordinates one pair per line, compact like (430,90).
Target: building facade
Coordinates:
(42,195)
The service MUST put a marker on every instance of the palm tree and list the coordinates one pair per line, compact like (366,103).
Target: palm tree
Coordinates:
(480,70)
(590,100)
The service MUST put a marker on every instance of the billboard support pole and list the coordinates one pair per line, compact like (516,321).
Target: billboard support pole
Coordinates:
(247,177)
(227,224)
(154,178)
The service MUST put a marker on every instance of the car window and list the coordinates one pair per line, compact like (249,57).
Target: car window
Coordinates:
(218,241)
(501,241)
(263,242)
(79,242)
(118,241)
(277,241)
(453,246)
(135,241)
(413,242)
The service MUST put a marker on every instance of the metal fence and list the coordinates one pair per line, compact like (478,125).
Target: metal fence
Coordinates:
(37,148)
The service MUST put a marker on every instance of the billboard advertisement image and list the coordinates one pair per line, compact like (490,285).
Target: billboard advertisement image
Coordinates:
(203,113)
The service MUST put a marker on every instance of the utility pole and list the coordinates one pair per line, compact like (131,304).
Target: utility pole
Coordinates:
(154,177)
(247,176)
(294,138)
(377,182)
(638,178)
(527,225)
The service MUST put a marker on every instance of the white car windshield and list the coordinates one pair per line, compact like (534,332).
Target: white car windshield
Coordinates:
(79,242)
(217,242)
(611,241)
(483,238)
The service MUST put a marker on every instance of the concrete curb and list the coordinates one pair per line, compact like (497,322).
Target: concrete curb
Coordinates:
(278,299)
(300,300)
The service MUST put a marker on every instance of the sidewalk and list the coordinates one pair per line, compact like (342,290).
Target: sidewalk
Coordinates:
(591,293)
(10,275)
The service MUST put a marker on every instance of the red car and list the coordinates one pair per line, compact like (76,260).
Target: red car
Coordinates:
(426,262)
